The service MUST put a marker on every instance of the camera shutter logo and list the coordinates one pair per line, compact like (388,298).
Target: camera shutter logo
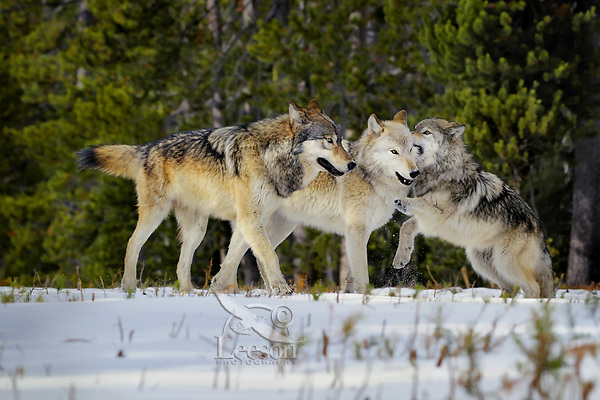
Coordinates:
(243,321)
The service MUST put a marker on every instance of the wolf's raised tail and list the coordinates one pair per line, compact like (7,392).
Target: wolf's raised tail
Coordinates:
(120,160)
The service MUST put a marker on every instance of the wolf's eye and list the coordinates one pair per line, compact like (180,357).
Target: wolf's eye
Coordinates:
(394,151)
(329,140)
(426,133)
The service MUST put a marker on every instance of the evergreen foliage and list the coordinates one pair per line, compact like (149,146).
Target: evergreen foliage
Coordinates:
(521,74)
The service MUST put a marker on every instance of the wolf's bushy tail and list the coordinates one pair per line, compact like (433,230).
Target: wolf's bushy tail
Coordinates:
(119,160)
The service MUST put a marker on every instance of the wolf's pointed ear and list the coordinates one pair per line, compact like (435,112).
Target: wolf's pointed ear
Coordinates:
(401,117)
(295,113)
(457,130)
(374,124)
(314,106)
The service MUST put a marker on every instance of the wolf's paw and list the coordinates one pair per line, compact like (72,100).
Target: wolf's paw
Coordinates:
(128,285)
(403,206)
(281,288)
(349,283)
(186,286)
(402,259)
(218,286)
(360,287)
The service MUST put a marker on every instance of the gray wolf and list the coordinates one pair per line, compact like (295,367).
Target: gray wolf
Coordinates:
(236,173)
(455,201)
(353,205)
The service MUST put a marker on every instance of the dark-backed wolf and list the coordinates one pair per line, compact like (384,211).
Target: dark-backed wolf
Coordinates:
(353,205)
(457,202)
(237,173)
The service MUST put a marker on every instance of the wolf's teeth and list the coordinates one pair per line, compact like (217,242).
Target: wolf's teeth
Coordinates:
(403,180)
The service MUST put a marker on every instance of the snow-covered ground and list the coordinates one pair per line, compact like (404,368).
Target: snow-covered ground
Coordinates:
(454,343)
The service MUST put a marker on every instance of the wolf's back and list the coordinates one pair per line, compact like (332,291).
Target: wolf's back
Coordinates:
(120,160)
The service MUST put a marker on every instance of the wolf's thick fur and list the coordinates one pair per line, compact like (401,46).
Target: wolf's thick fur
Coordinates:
(353,205)
(455,201)
(237,173)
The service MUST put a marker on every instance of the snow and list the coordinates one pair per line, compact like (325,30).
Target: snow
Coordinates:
(389,344)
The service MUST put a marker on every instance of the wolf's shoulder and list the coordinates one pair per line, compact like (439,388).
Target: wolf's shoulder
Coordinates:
(495,197)
(489,183)
(480,185)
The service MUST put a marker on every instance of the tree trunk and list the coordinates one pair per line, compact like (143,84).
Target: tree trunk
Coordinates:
(280,10)
(214,20)
(248,13)
(84,19)
(584,254)
(214,24)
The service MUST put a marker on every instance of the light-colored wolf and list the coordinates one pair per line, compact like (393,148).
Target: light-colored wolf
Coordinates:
(455,201)
(237,173)
(353,205)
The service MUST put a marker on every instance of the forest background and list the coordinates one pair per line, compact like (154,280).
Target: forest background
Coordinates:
(523,76)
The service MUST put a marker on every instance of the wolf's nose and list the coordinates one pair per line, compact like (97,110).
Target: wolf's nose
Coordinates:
(351,165)
(414,174)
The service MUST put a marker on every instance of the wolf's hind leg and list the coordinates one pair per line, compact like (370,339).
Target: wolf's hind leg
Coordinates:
(278,228)
(226,279)
(489,266)
(406,243)
(544,275)
(149,219)
(518,262)
(192,228)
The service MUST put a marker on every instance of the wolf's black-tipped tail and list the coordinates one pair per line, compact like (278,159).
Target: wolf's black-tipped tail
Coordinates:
(87,159)
(119,160)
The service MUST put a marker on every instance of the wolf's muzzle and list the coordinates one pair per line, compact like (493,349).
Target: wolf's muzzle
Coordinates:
(330,168)
(403,180)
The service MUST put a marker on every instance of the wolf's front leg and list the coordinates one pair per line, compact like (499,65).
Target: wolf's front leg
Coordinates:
(406,243)
(250,225)
(278,228)
(358,267)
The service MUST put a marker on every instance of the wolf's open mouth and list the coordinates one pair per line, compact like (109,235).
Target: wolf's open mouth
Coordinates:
(328,167)
(403,180)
